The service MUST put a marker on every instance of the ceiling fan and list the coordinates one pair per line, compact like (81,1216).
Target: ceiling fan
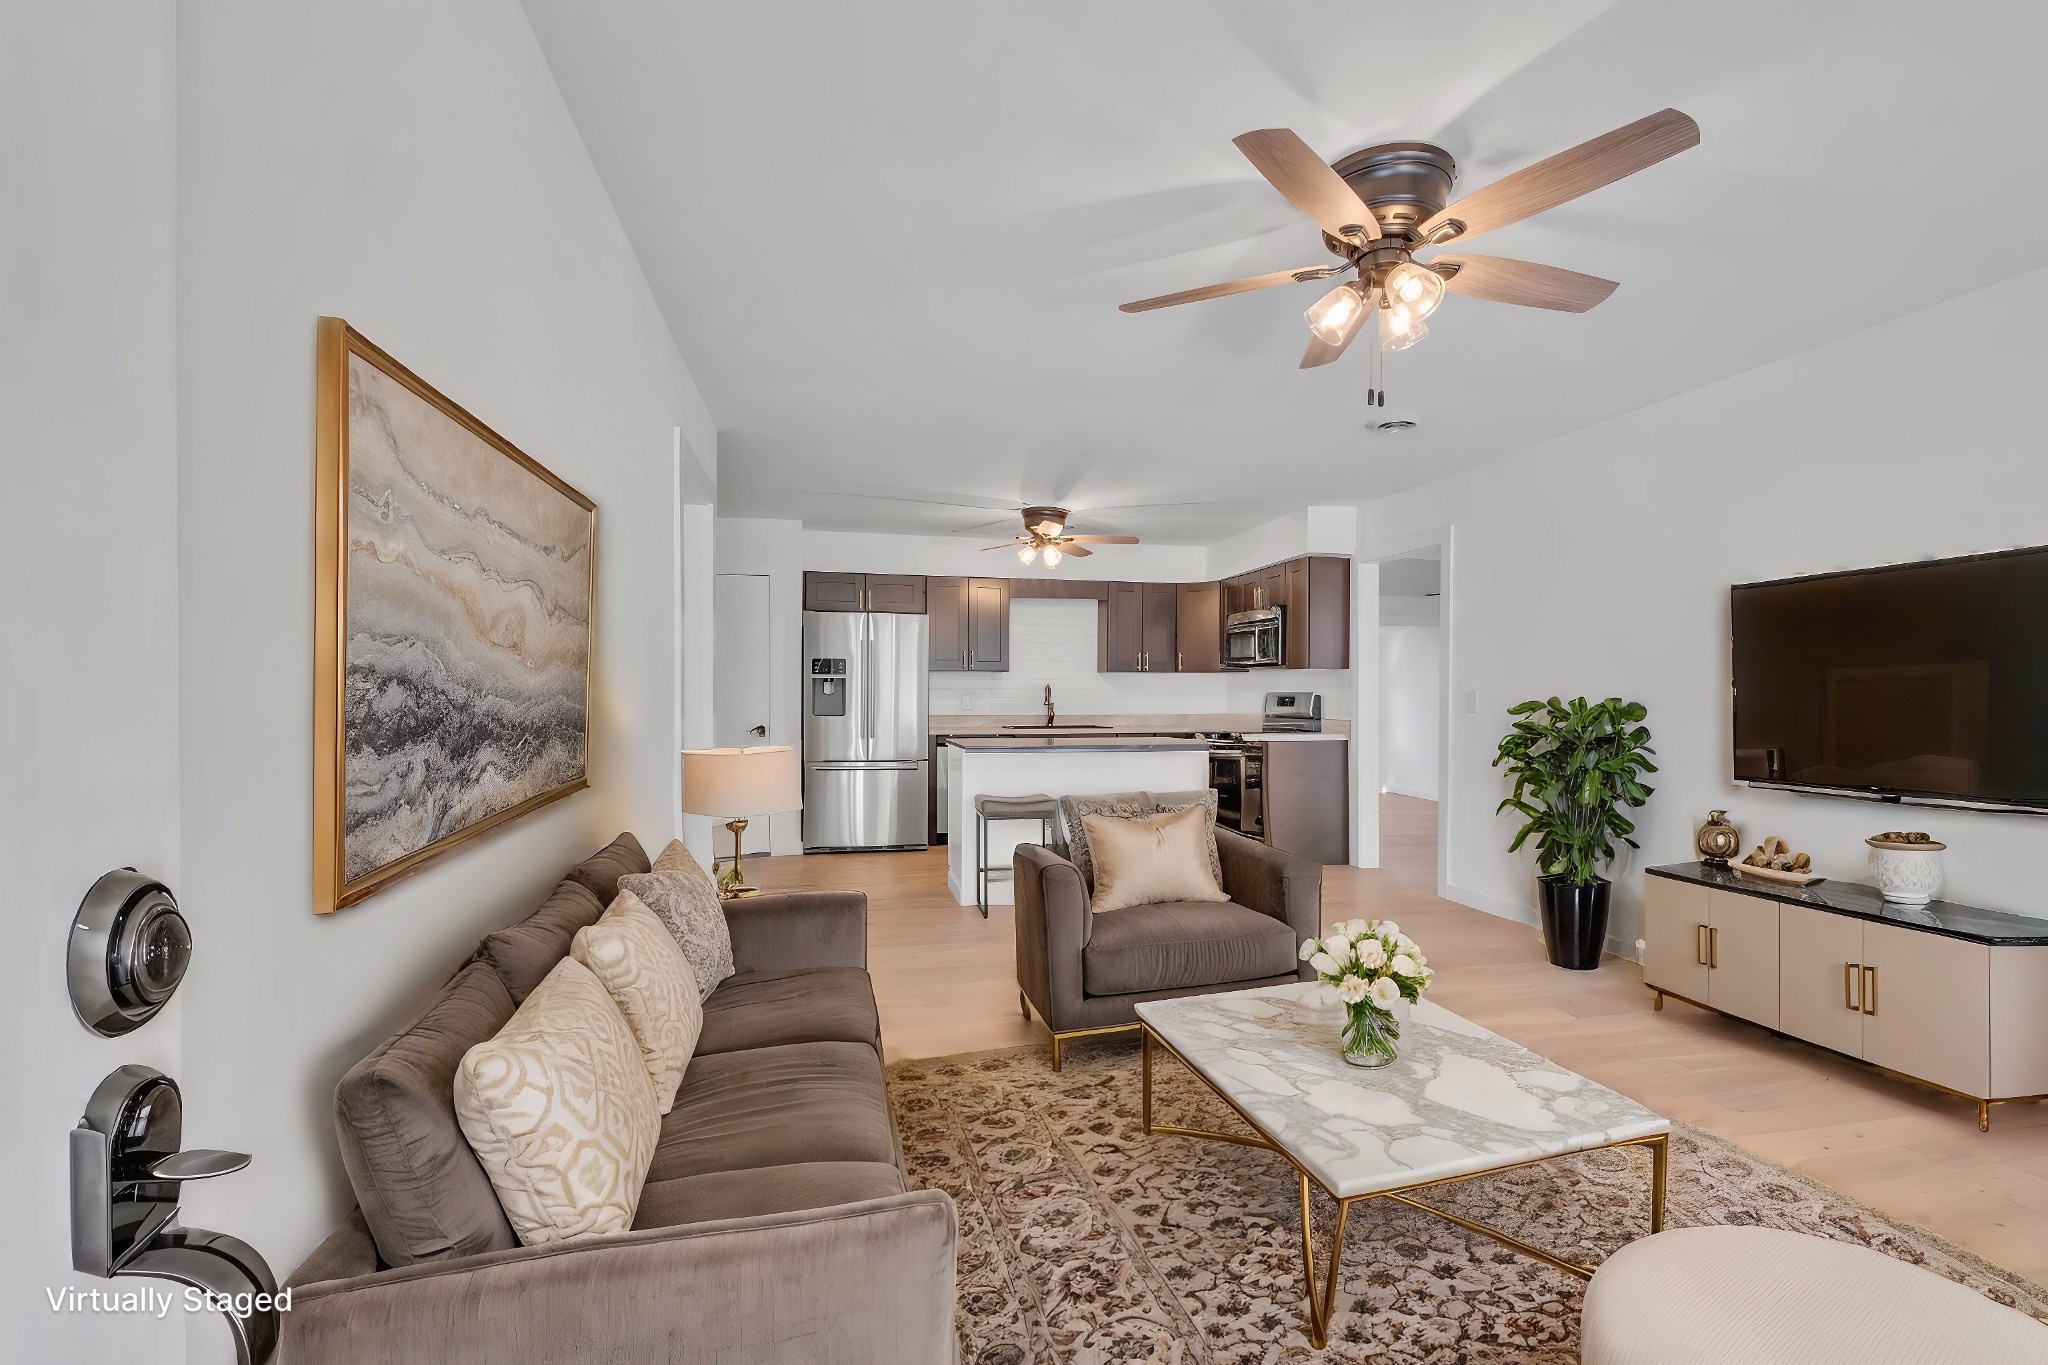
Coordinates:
(1044,536)
(1379,206)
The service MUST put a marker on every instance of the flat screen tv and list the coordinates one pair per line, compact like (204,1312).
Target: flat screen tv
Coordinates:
(1920,682)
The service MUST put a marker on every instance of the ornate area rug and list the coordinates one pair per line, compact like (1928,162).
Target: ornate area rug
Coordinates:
(1084,1240)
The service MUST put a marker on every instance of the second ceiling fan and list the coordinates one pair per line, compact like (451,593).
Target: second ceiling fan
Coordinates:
(1380,206)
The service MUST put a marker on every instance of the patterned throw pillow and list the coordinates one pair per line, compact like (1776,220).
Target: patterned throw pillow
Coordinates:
(1074,811)
(560,1112)
(680,891)
(1151,860)
(631,953)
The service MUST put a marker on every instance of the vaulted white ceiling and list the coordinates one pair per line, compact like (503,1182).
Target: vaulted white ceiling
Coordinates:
(890,237)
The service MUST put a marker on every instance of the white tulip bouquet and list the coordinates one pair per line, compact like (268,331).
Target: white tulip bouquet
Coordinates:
(1373,966)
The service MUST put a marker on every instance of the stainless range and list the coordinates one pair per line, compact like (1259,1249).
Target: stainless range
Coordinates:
(1237,762)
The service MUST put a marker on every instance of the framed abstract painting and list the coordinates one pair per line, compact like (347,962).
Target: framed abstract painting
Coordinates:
(455,583)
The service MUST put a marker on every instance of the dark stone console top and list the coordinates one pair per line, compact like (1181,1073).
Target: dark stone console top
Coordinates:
(1997,927)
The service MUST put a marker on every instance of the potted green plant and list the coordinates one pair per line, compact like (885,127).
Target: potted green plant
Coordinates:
(1577,765)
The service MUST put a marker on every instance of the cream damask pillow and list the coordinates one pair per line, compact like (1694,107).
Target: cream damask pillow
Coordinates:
(559,1110)
(1152,859)
(631,953)
(680,891)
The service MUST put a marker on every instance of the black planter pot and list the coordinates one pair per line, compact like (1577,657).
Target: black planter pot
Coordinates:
(1574,922)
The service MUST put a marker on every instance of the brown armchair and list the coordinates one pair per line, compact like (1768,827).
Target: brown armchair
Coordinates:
(1085,975)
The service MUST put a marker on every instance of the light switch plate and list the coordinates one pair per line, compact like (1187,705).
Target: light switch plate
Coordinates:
(1471,703)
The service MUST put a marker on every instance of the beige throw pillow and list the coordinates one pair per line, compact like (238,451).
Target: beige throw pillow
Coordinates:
(630,952)
(560,1112)
(680,891)
(1151,859)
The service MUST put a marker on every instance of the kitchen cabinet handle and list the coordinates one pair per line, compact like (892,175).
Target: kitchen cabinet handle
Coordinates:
(1714,946)
(1870,990)
(1849,1000)
(1180,661)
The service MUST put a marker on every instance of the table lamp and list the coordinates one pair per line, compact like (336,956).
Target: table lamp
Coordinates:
(738,783)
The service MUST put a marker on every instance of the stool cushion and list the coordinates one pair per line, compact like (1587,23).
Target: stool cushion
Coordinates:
(1017,807)
(1181,944)
(1761,1296)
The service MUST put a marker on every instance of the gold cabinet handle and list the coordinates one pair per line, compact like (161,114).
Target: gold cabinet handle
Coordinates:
(1870,990)
(1849,1001)
(1699,944)
(1714,946)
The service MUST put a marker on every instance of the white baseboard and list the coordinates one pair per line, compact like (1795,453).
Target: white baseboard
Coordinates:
(1522,914)
(1409,791)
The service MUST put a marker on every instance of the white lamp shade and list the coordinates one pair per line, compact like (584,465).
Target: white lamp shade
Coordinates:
(739,782)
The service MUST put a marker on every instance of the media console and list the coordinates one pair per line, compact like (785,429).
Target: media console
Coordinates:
(1949,995)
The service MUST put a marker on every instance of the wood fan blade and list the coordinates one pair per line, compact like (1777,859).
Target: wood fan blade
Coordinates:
(1006,545)
(1100,540)
(1578,170)
(1244,286)
(1308,182)
(1081,550)
(1523,282)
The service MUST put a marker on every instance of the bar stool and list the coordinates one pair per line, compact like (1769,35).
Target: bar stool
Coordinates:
(1037,806)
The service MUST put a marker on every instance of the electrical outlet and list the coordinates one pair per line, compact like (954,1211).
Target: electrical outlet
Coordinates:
(966,701)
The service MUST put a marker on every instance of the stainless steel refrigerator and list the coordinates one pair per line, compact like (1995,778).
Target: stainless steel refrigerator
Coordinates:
(867,764)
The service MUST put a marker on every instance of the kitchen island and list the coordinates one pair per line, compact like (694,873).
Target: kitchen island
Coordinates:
(1057,765)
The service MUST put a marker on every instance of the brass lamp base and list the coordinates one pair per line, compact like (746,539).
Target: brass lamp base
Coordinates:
(732,883)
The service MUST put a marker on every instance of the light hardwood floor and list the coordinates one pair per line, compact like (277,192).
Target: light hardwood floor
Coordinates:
(945,982)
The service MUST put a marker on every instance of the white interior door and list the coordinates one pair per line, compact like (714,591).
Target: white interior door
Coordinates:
(743,684)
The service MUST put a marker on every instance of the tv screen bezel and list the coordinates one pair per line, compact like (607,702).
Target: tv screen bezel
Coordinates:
(1888,795)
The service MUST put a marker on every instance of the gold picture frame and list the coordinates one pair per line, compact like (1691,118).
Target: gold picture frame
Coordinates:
(466,640)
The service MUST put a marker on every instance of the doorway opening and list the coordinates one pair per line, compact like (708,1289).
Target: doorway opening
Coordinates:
(743,688)
(1412,750)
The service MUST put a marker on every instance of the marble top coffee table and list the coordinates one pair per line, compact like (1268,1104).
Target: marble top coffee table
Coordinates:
(1459,1102)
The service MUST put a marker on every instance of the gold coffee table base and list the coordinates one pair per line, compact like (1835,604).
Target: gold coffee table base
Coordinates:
(1322,1304)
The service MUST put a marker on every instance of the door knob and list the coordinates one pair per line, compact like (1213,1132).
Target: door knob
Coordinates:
(759,732)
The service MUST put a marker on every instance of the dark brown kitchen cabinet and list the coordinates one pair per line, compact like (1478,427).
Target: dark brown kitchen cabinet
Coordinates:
(1198,629)
(970,624)
(1317,626)
(1307,798)
(1269,587)
(1136,629)
(886,592)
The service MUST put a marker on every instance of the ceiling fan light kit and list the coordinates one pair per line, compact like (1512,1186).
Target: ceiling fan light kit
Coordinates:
(1379,206)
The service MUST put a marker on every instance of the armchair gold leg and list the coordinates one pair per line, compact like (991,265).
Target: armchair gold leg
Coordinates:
(1055,1052)
(1024,1003)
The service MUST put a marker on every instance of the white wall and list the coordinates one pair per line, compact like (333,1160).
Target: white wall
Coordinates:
(88,598)
(1599,563)
(412,169)
(1269,542)
(775,549)
(1410,693)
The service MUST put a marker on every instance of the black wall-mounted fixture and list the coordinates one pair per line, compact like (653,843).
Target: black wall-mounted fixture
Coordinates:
(128,951)
(127,1168)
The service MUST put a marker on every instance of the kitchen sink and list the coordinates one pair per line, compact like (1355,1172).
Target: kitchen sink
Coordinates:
(1056,728)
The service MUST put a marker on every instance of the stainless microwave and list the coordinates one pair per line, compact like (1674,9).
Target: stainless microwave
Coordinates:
(1253,639)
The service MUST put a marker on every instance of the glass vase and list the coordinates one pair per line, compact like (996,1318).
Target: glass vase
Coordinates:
(1371,1035)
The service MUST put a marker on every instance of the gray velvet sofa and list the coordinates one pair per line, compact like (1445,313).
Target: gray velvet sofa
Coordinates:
(776,1223)
(1085,974)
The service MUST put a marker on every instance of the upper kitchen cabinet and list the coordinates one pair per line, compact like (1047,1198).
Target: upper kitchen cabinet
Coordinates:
(1136,630)
(895,593)
(1198,631)
(970,624)
(1269,587)
(1316,628)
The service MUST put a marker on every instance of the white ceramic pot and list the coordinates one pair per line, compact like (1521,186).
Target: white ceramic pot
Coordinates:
(1906,875)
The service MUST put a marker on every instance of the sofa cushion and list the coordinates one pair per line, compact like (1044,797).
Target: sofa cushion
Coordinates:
(1154,858)
(754,1193)
(559,1108)
(523,954)
(423,1193)
(771,1009)
(1163,947)
(681,892)
(599,874)
(630,952)
(776,1106)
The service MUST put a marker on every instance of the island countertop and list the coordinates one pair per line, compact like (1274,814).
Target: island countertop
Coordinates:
(1028,743)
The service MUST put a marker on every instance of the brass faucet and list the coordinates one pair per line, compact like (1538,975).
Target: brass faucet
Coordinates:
(1050,715)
